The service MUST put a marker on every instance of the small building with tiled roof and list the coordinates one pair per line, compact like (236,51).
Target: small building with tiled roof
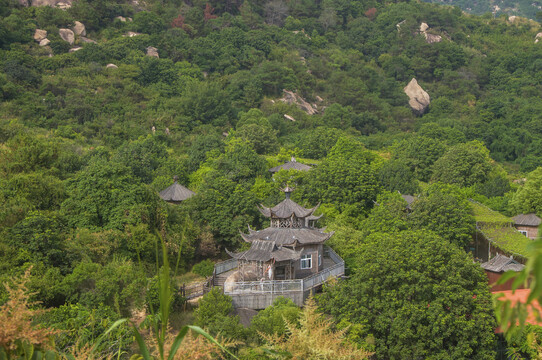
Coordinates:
(527,224)
(292,164)
(409,199)
(496,267)
(176,193)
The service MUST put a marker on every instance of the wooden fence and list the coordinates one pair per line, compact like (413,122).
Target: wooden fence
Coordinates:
(196,289)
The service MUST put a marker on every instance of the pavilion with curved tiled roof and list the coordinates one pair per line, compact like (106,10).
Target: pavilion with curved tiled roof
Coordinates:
(292,246)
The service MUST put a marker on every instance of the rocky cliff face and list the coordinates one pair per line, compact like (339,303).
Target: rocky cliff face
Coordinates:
(291,97)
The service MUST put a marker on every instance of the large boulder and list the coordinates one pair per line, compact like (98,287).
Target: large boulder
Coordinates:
(79,29)
(45,42)
(424,27)
(537,37)
(152,51)
(39,35)
(111,66)
(67,35)
(419,99)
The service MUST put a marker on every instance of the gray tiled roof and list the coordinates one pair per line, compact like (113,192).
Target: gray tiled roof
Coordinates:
(293,164)
(176,192)
(261,250)
(285,210)
(288,236)
(527,219)
(501,263)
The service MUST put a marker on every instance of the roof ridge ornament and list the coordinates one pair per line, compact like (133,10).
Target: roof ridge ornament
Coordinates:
(287,191)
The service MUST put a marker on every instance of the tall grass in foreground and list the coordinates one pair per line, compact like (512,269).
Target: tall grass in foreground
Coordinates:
(163,345)
(22,339)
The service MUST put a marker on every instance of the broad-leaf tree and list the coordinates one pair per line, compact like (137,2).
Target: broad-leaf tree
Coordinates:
(416,296)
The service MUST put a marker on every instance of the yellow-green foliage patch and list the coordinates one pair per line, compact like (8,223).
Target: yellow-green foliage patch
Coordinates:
(485,215)
(499,230)
(508,239)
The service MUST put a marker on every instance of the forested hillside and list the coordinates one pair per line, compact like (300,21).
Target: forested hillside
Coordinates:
(103,102)
(525,8)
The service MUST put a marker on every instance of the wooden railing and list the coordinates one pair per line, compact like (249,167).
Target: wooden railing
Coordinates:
(282,286)
(268,286)
(196,289)
(321,277)
(225,266)
(333,255)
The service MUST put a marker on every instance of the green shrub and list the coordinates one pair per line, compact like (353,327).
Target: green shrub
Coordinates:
(204,268)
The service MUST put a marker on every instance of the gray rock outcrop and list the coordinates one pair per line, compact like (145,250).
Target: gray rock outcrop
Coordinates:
(419,99)
(75,49)
(111,66)
(131,34)
(39,35)
(79,29)
(45,42)
(537,37)
(122,18)
(293,98)
(87,40)
(429,38)
(423,27)
(67,35)
(62,4)
(432,38)
(152,51)
(288,117)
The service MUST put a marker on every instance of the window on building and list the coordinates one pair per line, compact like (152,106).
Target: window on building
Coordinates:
(523,232)
(319,260)
(306,261)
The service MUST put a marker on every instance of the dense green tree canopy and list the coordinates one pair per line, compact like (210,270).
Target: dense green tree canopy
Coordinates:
(529,197)
(464,164)
(416,296)
(90,132)
(419,153)
(348,175)
(444,210)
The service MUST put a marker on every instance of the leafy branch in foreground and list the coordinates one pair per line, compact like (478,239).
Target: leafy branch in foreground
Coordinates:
(512,317)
